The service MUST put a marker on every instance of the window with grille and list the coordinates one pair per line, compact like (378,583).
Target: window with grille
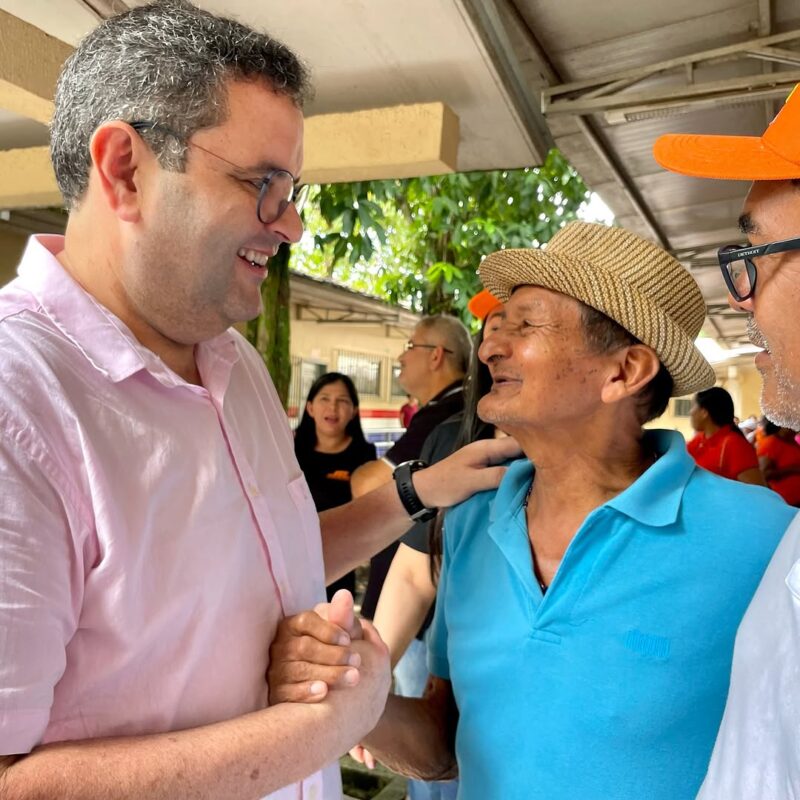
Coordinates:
(363,369)
(683,406)
(397,390)
(304,373)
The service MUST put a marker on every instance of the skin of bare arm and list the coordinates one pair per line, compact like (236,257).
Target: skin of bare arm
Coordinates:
(753,476)
(772,473)
(246,757)
(354,532)
(406,598)
(370,476)
(416,736)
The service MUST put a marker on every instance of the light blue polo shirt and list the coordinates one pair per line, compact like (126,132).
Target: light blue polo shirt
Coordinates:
(612,685)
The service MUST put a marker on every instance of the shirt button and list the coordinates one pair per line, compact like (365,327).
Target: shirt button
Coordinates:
(253,490)
(313,793)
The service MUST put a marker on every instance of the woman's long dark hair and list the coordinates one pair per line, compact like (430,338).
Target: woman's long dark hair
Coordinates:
(476,384)
(305,437)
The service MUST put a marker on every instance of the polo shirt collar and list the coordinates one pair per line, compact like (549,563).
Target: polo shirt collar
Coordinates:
(654,499)
(106,342)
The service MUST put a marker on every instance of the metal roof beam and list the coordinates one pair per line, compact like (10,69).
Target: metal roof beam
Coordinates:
(589,130)
(486,18)
(707,91)
(638,73)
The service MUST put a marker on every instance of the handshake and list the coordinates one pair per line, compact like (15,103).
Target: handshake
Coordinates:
(327,655)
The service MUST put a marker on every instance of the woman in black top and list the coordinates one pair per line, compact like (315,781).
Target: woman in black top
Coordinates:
(329,444)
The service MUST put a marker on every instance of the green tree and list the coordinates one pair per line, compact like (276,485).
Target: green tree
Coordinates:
(269,332)
(418,242)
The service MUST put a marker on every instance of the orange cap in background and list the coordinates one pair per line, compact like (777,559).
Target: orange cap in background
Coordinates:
(774,156)
(482,304)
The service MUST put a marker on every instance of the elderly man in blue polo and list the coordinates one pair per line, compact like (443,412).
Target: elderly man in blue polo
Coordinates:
(587,608)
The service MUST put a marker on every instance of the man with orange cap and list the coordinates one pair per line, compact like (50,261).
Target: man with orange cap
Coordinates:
(756,754)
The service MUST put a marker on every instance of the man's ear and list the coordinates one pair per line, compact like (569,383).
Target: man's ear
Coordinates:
(437,357)
(117,153)
(632,368)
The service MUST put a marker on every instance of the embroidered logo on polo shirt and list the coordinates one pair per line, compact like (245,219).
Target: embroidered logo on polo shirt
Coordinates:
(648,645)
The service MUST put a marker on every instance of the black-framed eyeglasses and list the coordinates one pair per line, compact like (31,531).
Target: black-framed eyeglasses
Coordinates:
(276,189)
(409,345)
(739,269)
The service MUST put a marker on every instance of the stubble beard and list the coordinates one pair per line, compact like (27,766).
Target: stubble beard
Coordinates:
(783,407)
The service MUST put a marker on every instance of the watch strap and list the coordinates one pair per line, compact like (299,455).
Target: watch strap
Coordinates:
(408,494)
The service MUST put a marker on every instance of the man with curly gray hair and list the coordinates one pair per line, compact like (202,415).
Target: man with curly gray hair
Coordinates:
(155,526)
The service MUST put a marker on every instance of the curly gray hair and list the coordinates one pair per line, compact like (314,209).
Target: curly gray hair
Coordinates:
(165,62)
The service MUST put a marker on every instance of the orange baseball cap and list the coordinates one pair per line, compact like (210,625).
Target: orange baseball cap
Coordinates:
(483,304)
(774,156)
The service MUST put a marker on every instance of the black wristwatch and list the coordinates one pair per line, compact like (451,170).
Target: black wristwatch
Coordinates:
(408,494)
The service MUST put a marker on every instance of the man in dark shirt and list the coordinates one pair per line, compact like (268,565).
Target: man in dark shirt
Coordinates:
(432,369)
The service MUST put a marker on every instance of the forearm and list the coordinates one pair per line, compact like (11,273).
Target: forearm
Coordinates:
(406,598)
(414,739)
(753,476)
(354,532)
(246,758)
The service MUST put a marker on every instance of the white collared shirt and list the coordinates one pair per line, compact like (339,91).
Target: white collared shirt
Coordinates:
(757,753)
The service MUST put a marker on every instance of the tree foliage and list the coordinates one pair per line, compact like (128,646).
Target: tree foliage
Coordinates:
(269,332)
(418,242)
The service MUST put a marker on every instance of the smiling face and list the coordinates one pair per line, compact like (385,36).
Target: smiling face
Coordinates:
(332,409)
(188,265)
(772,213)
(544,374)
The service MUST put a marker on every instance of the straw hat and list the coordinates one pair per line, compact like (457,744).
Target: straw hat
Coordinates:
(632,281)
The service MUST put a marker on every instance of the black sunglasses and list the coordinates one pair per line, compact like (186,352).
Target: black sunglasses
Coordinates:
(738,268)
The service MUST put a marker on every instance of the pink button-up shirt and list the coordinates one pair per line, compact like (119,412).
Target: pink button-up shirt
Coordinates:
(152,532)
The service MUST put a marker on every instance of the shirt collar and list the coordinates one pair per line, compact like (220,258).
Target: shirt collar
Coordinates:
(454,388)
(106,342)
(653,499)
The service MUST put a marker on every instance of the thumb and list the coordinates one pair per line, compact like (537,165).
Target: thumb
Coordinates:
(340,611)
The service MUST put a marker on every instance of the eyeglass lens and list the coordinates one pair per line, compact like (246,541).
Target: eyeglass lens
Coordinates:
(276,193)
(741,273)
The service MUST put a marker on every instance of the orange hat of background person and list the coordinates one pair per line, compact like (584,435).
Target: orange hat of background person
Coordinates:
(482,304)
(774,156)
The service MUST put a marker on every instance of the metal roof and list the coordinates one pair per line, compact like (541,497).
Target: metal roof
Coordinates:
(600,79)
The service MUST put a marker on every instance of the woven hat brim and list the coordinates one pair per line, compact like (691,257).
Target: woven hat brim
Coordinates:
(503,271)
